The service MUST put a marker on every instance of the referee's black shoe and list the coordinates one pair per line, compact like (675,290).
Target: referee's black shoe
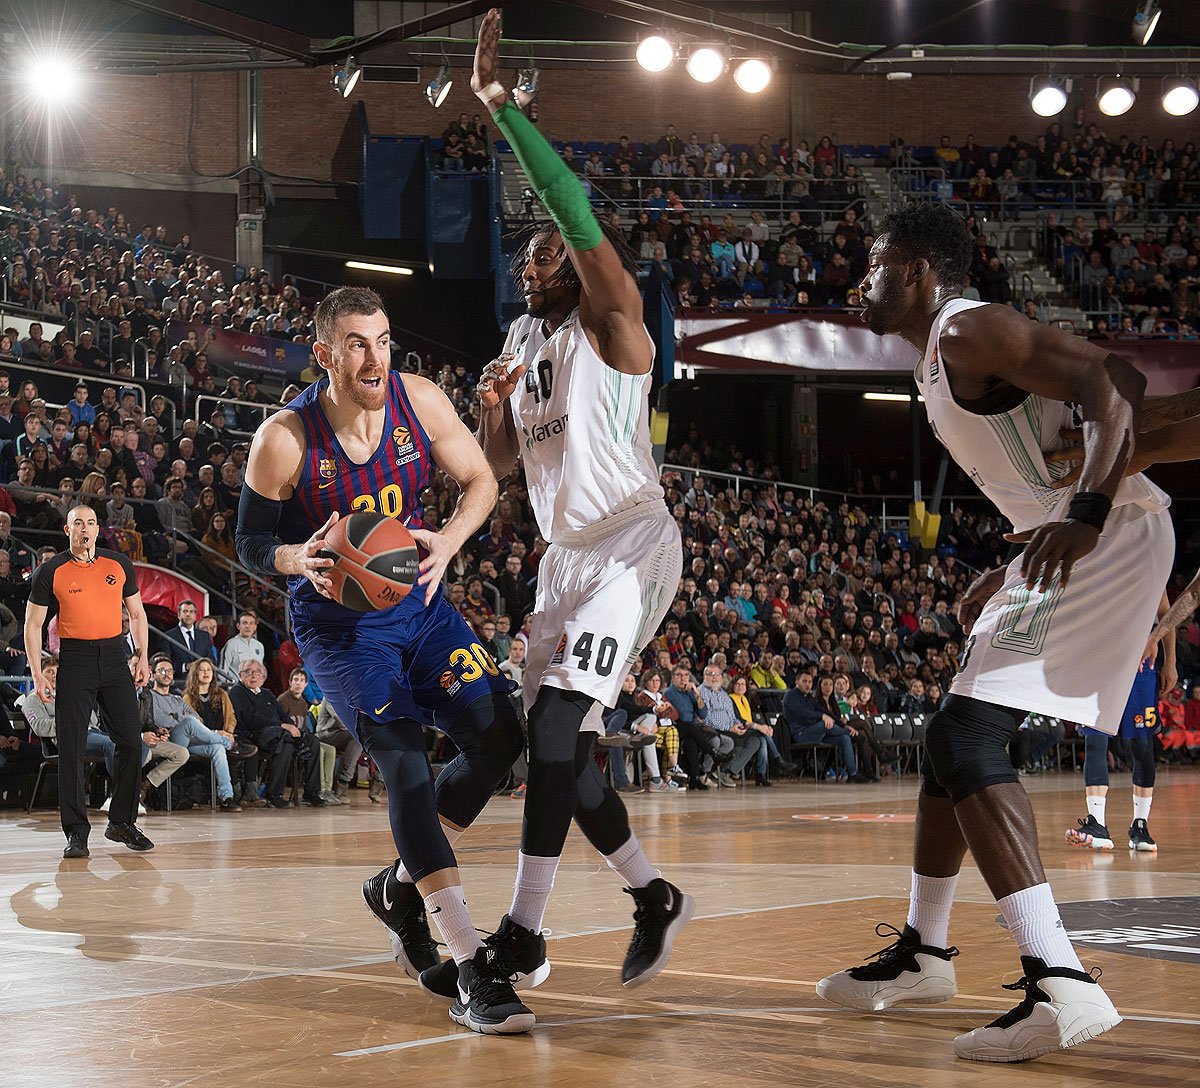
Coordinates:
(401,909)
(77,846)
(129,835)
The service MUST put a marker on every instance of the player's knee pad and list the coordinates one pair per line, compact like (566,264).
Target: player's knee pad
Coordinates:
(554,721)
(599,811)
(1095,759)
(966,743)
(488,733)
(1144,771)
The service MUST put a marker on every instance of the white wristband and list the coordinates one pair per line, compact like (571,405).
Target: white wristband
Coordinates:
(492,90)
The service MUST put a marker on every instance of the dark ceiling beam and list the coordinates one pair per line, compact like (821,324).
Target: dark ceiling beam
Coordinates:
(230,24)
(414,28)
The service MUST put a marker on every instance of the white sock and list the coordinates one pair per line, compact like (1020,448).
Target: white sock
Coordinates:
(630,864)
(1141,807)
(453,834)
(448,909)
(1096,809)
(531,893)
(1034,921)
(929,906)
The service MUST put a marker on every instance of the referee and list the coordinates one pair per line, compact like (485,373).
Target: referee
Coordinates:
(87,587)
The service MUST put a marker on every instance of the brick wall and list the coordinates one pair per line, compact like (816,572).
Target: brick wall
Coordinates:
(188,124)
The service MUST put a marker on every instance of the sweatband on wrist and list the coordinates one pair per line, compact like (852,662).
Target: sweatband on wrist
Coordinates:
(551,178)
(492,90)
(1090,507)
(258,521)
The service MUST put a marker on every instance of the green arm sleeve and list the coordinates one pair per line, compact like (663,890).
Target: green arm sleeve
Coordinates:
(551,178)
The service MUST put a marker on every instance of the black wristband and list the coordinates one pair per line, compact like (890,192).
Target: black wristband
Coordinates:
(1090,507)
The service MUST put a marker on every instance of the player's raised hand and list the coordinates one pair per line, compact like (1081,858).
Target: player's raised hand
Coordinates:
(433,566)
(982,590)
(497,383)
(310,559)
(487,52)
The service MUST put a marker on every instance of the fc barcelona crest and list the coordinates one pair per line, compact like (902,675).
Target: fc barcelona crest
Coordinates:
(327,468)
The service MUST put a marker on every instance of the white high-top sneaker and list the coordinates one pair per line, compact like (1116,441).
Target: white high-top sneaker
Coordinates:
(907,972)
(1062,1008)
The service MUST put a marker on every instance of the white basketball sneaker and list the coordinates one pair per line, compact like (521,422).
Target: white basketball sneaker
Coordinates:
(1062,1008)
(907,972)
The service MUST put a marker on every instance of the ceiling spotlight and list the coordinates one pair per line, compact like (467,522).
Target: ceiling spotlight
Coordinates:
(1145,19)
(438,87)
(752,75)
(655,53)
(346,78)
(1179,95)
(1048,95)
(706,64)
(525,91)
(52,78)
(1115,95)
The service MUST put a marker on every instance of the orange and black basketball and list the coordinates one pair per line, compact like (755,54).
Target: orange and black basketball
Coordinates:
(376,561)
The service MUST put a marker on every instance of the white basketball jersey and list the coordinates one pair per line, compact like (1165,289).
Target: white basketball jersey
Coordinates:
(583,429)
(1003,452)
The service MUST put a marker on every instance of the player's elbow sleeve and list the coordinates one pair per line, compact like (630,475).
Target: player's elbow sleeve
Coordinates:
(258,522)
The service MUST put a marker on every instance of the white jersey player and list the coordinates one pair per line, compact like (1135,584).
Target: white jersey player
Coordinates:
(996,388)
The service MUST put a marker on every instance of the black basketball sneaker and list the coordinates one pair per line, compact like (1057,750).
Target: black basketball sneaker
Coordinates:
(486,1001)
(1062,1008)
(1090,832)
(1139,837)
(906,972)
(520,952)
(660,913)
(402,910)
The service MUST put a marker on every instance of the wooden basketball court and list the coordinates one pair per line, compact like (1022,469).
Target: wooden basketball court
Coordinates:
(240,953)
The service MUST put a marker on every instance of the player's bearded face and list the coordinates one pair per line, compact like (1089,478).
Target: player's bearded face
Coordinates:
(546,259)
(361,360)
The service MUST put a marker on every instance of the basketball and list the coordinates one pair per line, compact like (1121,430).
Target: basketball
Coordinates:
(376,561)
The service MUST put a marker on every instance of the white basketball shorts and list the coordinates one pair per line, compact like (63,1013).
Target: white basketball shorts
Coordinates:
(598,605)
(1072,653)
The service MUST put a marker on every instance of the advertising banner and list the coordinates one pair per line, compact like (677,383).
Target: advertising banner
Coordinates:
(241,351)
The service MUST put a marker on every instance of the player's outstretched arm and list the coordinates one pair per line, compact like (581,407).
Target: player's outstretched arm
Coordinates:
(456,452)
(273,466)
(610,304)
(992,342)
(1172,408)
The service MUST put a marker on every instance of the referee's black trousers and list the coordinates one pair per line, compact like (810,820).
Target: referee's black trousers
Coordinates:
(90,673)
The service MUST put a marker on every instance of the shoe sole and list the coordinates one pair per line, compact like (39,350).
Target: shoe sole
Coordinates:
(922,993)
(687,908)
(1101,844)
(1144,847)
(398,953)
(74,855)
(520,982)
(1092,1031)
(518,1024)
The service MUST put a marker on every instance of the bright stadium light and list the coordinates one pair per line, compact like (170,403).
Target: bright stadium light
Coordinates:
(706,64)
(346,78)
(898,398)
(753,75)
(1115,95)
(1179,95)
(655,53)
(1145,19)
(52,78)
(370,266)
(438,87)
(1047,95)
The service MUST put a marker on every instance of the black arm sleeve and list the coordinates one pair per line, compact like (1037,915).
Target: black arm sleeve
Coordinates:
(258,521)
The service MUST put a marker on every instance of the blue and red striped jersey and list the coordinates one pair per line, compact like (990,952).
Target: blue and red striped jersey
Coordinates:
(391,482)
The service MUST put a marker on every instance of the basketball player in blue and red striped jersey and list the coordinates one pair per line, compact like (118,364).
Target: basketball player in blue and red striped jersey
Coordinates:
(367,438)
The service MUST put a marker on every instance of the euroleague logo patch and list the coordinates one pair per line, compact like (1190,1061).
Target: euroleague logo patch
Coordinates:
(111,579)
(406,449)
(1161,929)
(450,682)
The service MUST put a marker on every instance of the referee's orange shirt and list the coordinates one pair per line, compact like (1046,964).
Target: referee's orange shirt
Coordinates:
(89,595)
